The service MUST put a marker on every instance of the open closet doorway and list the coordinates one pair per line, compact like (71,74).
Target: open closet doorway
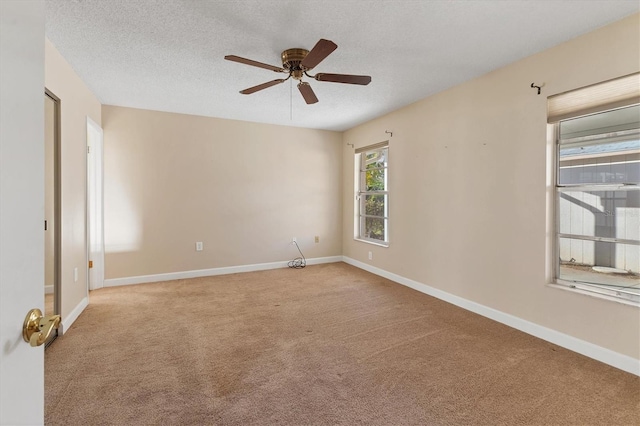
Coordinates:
(52,213)
(95,210)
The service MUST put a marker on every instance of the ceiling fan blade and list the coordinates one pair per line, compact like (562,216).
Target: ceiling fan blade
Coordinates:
(307,93)
(321,50)
(246,61)
(344,78)
(268,84)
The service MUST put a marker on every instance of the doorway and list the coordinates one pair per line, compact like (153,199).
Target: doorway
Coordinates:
(52,213)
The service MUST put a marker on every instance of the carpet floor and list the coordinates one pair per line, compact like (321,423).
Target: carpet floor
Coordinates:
(325,345)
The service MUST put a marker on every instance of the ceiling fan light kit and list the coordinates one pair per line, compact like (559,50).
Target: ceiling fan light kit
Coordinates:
(296,62)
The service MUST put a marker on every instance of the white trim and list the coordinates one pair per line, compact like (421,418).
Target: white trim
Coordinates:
(607,356)
(211,272)
(375,243)
(97,256)
(48,289)
(73,315)
(581,288)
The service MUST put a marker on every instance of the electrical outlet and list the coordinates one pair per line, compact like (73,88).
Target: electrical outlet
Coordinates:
(199,246)
(370,256)
(293,240)
(317,239)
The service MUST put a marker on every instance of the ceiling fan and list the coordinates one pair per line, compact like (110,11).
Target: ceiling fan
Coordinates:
(297,62)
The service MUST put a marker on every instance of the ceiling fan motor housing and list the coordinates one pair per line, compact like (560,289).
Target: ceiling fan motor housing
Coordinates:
(291,59)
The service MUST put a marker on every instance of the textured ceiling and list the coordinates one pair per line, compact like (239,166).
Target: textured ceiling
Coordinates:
(168,55)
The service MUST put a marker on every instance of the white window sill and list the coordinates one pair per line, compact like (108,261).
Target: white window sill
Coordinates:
(382,244)
(576,288)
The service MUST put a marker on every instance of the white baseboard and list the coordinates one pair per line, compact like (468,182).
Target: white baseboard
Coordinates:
(211,272)
(607,356)
(73,315)
(48,289)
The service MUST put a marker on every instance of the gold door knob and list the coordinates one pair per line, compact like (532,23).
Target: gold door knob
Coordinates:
(37,328)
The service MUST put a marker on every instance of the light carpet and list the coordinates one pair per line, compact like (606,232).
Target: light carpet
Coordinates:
(325,345)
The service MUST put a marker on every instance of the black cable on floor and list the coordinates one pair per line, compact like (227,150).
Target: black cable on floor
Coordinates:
(298,262)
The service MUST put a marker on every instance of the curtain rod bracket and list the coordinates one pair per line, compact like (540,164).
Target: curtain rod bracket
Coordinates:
(533,85)
(390,133)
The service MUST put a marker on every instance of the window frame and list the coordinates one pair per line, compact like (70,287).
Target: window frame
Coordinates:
(361,193)
(601,290)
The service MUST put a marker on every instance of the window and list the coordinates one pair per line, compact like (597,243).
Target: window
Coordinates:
(372,194)
(598,202)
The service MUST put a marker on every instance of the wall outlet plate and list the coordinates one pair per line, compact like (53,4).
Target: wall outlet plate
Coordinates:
(199,246)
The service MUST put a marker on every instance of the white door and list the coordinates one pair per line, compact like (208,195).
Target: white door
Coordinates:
(21,207)
(94,204)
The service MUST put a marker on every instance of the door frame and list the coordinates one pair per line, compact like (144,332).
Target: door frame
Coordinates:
(95,256)
(57,202)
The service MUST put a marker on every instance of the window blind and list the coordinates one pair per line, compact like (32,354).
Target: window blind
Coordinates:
(616,93)
(372,147)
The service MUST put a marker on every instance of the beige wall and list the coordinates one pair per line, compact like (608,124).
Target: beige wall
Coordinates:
(76,104)
(469,189)
(243,189)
